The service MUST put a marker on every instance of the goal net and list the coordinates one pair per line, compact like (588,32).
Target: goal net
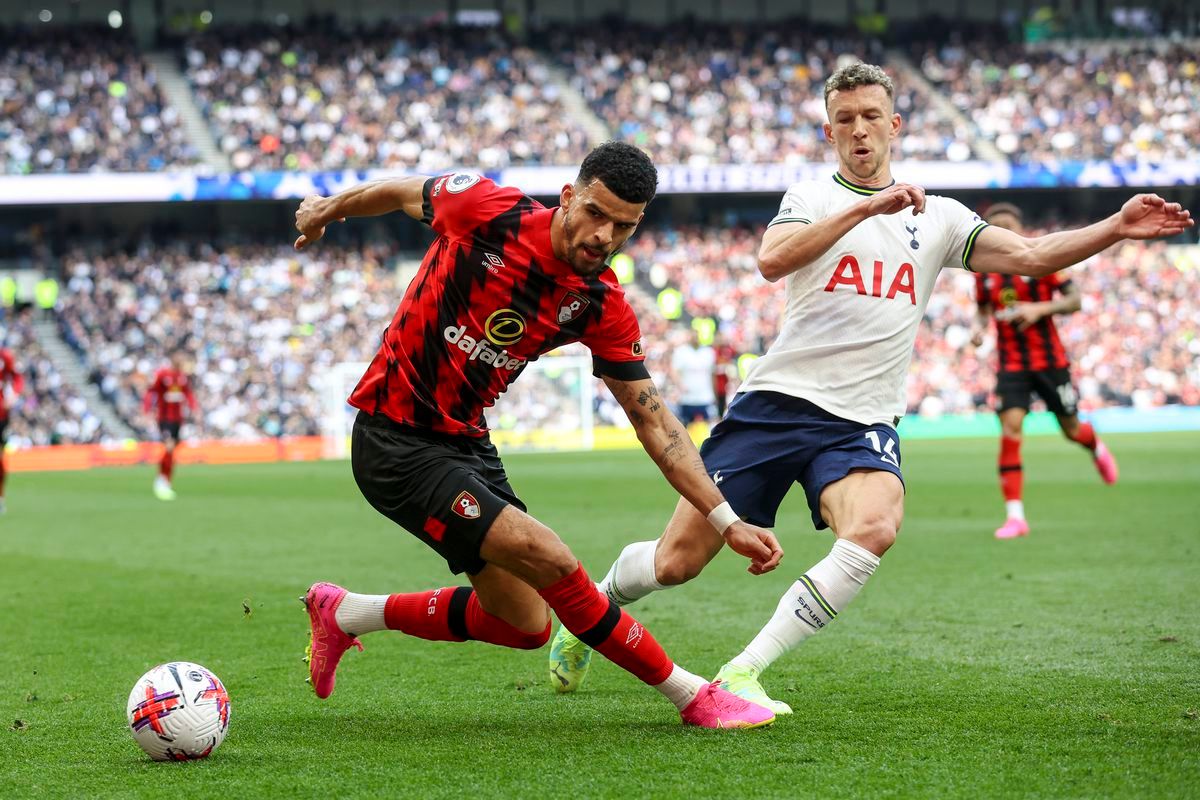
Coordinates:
(549,407)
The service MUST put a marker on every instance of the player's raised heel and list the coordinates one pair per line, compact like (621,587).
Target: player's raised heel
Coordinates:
(744,683)
(1106,464)
(326,640)
(569,661)
(713,707)
(1012,529)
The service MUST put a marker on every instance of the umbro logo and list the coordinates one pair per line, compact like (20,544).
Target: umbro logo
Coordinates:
(493,263)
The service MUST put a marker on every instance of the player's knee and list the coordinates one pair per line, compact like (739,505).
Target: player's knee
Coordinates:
(674,565)
(554,560)
(876,533)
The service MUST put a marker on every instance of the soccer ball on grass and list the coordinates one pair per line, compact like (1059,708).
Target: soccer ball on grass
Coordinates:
(178,712)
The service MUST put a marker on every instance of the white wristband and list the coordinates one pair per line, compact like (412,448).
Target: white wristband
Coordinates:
(722,517)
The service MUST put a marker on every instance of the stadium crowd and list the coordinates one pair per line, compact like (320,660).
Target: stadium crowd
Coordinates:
(732,93)
(50,410)
(82,99)
(1111,102)
(428,98)
(432,97)
(260,326)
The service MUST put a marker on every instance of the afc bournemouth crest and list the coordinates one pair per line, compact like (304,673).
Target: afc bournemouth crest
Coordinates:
(466,506)
(571,306)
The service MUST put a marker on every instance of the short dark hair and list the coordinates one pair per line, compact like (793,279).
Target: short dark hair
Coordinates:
(624,169)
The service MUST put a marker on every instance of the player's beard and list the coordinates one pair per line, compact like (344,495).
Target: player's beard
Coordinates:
(574,250)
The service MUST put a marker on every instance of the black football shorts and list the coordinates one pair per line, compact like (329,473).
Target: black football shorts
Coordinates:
(446,490)
(169,431)
(1016,389)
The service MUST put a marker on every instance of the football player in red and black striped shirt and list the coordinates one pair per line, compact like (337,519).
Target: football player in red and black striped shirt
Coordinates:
(11,385)
(166,395)
(506,281)
(1031,360)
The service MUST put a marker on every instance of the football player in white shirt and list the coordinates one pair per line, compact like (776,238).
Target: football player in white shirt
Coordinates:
(820,408)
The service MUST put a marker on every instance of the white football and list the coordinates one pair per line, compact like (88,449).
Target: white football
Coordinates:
(178,712)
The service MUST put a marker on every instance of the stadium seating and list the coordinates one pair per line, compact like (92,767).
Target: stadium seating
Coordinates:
(83,100)
(731,93)
(260,324)
(1114,102)
(428,98)
(50,410)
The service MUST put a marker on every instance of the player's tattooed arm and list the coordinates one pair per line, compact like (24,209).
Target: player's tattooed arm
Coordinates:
(365,200)
(666,441)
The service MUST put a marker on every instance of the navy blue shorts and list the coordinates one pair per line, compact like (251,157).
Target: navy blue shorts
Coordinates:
(769,440)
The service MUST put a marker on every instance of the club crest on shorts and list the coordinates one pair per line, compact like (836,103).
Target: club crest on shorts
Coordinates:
(571,306)
(466,506)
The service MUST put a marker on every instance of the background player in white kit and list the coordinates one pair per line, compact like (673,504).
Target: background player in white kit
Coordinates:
(820,408)
(692,367)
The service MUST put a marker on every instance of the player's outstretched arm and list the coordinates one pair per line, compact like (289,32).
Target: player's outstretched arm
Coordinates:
(365,200)
(789,246)
(1144,216)
(667,443)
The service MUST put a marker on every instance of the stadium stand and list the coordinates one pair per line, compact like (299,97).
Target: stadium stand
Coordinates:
(1113,102)
(429,98)
(259,323)
(50,410)
(82,99)
(727,93)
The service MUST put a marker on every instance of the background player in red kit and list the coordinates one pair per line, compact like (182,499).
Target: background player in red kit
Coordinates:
(1031,361)
(171,388)
(11,384)
(506,281)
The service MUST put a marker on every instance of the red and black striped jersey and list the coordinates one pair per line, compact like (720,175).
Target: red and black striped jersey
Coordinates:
(8,375)
(169,391)
(490,297)
(1038,346)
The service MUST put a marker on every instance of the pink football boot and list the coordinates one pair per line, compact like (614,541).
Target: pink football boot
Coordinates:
(1106,464)
(1012,529)
(326,641)
(713,707)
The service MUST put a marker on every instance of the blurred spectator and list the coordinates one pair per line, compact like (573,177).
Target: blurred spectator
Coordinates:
(81,99)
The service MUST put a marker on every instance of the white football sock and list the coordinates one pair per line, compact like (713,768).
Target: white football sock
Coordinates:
(1015,509)
(631,576)
(810,604)
(361,613)
(681,687)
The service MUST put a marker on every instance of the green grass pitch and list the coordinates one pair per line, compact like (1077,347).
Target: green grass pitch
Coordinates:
(1062,665)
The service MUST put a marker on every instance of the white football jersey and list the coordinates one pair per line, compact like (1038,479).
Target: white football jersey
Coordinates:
(852,315)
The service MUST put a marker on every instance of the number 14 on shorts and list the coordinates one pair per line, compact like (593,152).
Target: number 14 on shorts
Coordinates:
(886,448)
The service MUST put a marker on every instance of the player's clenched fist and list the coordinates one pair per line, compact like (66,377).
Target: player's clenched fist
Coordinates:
(311,219)
(897,197)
